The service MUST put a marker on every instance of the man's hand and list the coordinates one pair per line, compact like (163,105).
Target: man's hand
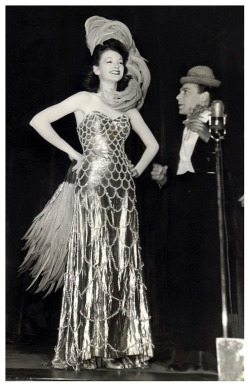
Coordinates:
(241,200)
(199,127)
(159,173)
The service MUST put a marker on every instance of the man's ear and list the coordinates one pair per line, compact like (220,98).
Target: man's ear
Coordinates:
(205,98)
(96,70)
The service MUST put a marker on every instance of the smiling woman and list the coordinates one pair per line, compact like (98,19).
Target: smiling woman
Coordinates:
(111,63)
(87,236)
(113,60)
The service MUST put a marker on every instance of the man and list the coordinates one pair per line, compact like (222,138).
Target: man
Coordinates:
(193,259)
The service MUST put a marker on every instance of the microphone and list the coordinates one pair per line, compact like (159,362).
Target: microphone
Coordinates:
(217,120)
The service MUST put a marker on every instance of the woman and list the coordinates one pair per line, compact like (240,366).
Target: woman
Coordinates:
(87,236)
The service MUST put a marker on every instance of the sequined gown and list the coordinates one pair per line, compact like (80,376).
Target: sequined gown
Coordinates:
(104,311)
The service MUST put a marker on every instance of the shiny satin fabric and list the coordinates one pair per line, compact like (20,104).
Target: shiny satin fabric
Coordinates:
(104,310)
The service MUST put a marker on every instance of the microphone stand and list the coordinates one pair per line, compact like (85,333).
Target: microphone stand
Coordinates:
(230,355)
(218,132)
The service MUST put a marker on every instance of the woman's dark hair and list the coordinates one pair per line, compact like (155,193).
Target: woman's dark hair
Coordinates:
(92,82)
(211,90)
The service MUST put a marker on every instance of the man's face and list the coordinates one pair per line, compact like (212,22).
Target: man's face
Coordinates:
(188,98)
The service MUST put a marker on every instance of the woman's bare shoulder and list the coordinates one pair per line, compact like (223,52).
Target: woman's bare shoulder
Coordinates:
(132,112)
(83,95)
(82,99)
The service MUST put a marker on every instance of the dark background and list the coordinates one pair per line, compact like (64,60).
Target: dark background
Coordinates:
(46,59)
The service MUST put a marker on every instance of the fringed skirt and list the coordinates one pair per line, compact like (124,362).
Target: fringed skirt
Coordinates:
(104,312)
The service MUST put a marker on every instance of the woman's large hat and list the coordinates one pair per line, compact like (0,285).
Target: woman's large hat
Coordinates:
(201,75)
(98,29)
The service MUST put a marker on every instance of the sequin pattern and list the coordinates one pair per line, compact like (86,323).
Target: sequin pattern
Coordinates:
(104,307)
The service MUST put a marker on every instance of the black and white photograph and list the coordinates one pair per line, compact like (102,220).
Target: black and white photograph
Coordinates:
(124,187)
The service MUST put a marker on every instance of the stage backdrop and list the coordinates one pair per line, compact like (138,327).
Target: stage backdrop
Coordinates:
(46,61)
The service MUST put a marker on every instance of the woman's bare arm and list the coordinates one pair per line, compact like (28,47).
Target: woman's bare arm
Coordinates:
(145,134)
(41,122)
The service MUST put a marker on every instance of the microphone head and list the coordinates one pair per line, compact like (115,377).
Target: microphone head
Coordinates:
(217,109)
(217,120)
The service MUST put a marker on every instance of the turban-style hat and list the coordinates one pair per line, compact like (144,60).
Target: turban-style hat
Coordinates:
(99,29)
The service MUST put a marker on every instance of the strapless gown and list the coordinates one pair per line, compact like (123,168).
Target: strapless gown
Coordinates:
(91,227)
